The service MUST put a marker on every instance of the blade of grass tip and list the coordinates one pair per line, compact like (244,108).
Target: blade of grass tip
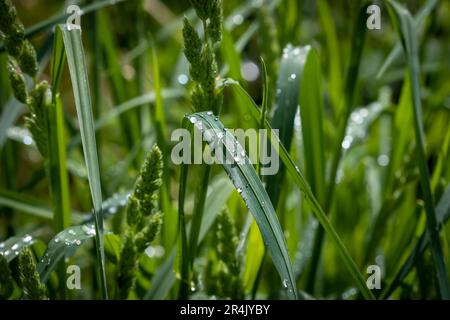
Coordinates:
(357,46)
(250,188)
(407,32)
(397,50)
(303,185)
(78,74)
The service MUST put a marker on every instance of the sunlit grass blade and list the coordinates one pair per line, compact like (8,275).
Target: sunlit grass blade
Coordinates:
(78,72)
(249,186)
(407,31)
(303,185)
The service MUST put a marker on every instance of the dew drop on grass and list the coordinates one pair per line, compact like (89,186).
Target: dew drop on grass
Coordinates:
(209,113)
(27,239)
(27,140)
(292,76)
(238,19)
(183,79)
(15,247)
(112,210)
(193,119)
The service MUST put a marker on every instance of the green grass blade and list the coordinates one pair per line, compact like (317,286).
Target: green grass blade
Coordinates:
(289,77)
(334,57)
(59,184)
(303,185)
(64,244)
(407,32)
(78,73)
(247,183)
(11,248)
(397,50)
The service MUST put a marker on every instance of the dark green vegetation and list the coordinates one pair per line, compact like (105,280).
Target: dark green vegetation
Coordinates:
(87,178)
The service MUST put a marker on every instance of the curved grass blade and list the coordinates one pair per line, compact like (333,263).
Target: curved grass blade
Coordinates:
(303,185)
(407,32)
(78,73)
(247,183)
(64,244)
(11,248)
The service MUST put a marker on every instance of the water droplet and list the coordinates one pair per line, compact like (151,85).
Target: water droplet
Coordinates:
(72,232)
(292,76)
(112,210)
(7,252)
(238,19)
(183,79)
(78,242)
(15,247)
(193,119)
(239,190)
(27,140)
(209,113)
(285,283)
(347,142)
(27,238)
(250,71)
(383,160)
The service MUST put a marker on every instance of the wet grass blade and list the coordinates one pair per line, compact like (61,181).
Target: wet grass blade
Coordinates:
(11,248)
(78,72)
(407,31)
(303,185)
(249,186)
(63,245)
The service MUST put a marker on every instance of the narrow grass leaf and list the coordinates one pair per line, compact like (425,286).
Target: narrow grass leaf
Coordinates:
(80,84)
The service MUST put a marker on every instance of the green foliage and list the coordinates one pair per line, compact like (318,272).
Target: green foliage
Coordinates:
(6,281)
(203,65)
(33,289)
(143,220)
(223,272)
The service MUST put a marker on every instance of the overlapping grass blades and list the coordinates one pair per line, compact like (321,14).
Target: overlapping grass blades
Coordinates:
(249,186)
(303,185)
(407,31)
(78,73)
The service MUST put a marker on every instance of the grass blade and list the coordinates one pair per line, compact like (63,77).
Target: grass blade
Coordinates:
(407,32)
(78,73)
(247,183)
(303,185)
(64,244)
